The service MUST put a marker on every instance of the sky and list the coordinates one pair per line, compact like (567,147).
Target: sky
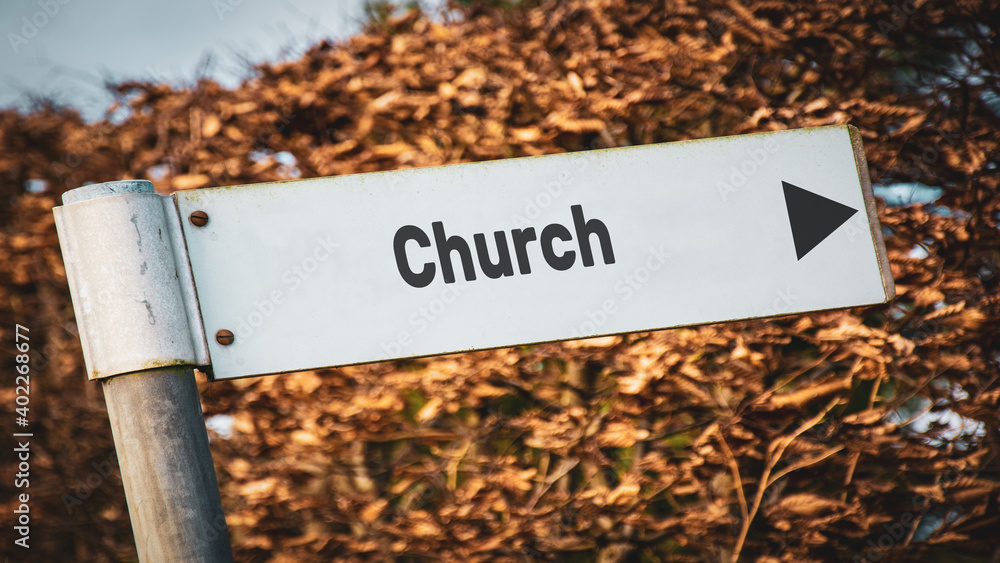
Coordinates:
(67,49)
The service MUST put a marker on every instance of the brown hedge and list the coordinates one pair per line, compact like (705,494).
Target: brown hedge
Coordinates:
(781,440)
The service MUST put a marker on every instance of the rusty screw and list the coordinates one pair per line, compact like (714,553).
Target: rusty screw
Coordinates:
(224,337)
(199,218)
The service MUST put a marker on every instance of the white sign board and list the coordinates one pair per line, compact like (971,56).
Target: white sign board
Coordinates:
(353,269)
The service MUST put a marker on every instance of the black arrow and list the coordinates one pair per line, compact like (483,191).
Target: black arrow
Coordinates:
(813,217)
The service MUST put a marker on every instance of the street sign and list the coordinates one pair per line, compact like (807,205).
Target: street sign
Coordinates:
(354,269)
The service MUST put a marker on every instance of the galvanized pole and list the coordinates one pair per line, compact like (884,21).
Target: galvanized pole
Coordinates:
(156,417)
(166,466)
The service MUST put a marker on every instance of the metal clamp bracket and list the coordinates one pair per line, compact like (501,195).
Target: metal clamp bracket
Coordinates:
(130,279)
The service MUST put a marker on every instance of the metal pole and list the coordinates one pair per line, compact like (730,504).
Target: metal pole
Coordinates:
(163,454)
(166,466)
